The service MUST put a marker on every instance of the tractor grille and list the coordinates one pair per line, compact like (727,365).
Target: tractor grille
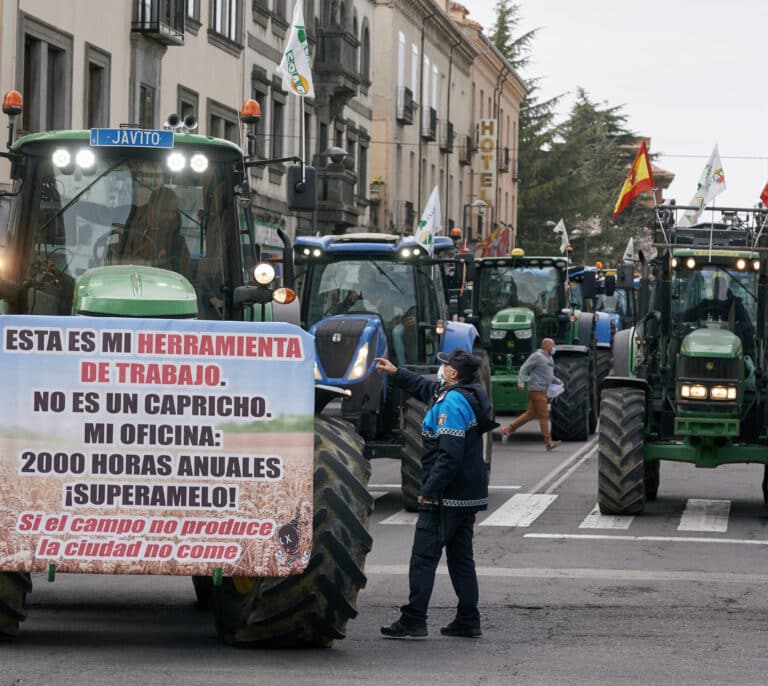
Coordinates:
(709,368)
(519,349)
(335,357)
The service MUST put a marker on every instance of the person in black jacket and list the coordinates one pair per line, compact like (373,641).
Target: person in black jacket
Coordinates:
(454,489)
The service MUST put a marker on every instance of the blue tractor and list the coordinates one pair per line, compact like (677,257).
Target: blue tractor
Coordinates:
(368,295)
(588,288)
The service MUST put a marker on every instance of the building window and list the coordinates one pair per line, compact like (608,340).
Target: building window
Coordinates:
(187,103)
(96,96)
(146,106)
(226,19)
(223,122)
(278,116)
(193,9)
(281,11)
(362,170)
(45,72)
(365,55)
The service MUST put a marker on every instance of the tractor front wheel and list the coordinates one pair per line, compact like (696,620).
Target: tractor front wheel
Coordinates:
(571,409)
(311,609)
(621,470)
(411,471)
(14,587)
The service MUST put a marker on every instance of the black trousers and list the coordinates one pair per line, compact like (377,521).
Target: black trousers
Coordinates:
(427,549)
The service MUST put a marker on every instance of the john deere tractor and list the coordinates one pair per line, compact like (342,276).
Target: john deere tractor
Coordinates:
(689,380)
(367,295)
(517,301)
(88,239)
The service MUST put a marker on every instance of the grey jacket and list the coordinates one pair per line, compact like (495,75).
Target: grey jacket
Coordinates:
(541,368)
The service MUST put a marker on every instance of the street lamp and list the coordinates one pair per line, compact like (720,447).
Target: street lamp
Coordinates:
(474,203)
(549,224)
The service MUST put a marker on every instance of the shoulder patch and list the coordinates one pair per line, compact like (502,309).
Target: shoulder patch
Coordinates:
(442,419)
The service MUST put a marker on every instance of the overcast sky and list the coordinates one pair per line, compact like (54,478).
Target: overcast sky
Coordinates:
(687,73)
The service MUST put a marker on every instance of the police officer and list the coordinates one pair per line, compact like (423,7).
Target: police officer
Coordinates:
(454,488)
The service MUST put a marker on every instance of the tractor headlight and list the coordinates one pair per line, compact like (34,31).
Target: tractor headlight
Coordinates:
(722,393)
(361,363)
(523,334)
(696,391)
(318,376)
(264,274)
(498,334)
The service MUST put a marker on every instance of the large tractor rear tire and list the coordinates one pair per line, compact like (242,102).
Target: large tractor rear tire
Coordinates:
(571,409)
(604,361)
(621,470)
(311,609)
(651,478)
(14,587)
(484,379)
(411,471)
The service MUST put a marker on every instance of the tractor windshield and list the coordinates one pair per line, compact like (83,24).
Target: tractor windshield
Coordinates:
(532,287)
(352,286)
(718,297)
(92,207)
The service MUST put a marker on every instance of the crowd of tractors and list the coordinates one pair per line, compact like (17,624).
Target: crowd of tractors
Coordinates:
(671,363)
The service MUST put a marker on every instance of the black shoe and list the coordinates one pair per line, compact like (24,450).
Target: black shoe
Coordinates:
(399,630)
(456,628)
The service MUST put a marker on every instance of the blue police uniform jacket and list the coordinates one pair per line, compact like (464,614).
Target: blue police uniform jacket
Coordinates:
(452,444)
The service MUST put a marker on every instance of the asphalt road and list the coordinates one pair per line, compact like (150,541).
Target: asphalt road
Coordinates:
(677,595)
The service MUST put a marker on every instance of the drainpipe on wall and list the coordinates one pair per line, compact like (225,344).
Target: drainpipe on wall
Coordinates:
(447,119)
(421,111)
(500,81)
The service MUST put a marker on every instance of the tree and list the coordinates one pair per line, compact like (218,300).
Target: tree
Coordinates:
(571,170)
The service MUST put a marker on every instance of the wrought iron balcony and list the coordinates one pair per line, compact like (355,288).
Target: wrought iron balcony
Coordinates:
(404,105)
(504,160)
(162,20)
(465,156)
(446,136)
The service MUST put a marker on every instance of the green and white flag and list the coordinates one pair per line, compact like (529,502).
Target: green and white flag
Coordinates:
(711,183)
(564,241)
(430,223)
(297,74)
(629,251)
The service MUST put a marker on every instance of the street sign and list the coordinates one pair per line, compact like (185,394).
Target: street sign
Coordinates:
(132,138)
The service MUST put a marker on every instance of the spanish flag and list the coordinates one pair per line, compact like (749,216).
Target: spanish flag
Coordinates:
(639,179)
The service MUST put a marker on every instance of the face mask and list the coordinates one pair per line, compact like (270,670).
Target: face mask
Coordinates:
(441,374)
(554,349)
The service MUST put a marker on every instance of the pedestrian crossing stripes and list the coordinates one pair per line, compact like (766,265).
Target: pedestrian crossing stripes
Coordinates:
(523,509)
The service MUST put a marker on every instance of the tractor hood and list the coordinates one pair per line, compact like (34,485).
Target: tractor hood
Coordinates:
(513,318)
(134,291)
(711,343)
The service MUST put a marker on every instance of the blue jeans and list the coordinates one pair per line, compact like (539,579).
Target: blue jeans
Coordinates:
(427,549)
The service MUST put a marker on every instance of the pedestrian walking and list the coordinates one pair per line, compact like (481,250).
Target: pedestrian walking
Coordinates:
(541,368)
(454,489)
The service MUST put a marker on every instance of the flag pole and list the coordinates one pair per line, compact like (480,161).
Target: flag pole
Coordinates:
(302,144)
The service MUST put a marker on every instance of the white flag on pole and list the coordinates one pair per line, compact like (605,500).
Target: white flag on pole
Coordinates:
(297,74)
(629,251)
(431,222)
(711,182)
(564,242)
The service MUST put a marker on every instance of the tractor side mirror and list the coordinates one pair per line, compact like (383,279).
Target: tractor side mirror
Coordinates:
(610,284)
(625,277)
(588,286)
(301,188)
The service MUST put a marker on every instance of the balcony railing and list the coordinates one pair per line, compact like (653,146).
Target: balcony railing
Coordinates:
(465,155)
(404,105)
(336,62)
(504,160)
(162,20)
(446,136)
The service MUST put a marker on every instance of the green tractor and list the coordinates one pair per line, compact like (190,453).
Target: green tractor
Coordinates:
(517,301)
(154,227)
(689,381)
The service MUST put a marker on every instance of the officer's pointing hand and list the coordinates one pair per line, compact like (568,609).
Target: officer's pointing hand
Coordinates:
(384,365)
